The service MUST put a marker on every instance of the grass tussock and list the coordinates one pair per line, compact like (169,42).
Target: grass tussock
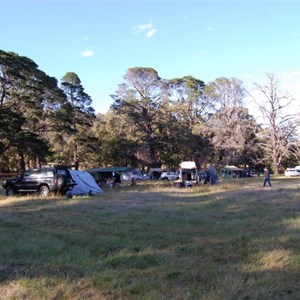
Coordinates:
(235,240)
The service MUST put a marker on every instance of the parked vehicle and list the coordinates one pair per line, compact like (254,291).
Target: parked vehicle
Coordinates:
(297,168)
(252,174)
(232,172)
(42,181)
(188,174)
(289,172)
(154,173)
(134,174)
(169,175)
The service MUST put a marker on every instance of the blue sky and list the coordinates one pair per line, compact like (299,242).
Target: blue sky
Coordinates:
(100,40)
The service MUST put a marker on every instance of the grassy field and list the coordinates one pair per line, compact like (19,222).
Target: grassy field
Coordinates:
(236,240)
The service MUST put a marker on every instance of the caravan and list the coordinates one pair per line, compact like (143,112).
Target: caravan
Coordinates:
(232,172)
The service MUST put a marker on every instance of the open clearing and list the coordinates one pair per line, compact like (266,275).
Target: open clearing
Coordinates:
(236,240)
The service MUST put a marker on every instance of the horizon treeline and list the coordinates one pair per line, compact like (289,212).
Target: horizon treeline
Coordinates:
(152,122)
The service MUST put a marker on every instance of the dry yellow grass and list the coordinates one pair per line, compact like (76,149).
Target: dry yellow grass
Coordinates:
(235,240)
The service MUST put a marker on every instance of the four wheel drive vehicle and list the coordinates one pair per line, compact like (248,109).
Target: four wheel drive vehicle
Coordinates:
(41,181)
(169,176)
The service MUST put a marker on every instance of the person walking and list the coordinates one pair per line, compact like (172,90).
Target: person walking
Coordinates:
(267,177)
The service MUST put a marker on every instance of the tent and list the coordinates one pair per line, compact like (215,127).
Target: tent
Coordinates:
(86,184)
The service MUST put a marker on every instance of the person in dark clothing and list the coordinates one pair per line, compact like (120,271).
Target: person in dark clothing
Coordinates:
(117,179)
(267,177)
(133,181)
(207,178)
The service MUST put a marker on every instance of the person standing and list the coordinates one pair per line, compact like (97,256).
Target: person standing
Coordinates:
(117,179)
(133,181)
(267,177)
(212,175)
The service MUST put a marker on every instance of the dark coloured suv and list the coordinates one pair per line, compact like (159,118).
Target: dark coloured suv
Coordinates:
(41,181)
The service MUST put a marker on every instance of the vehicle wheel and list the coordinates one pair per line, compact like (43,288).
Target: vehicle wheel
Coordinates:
(44,191)
(165,178)
(10,191)
(61,181)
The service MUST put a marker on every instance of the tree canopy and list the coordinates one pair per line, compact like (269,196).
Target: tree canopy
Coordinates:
(153,121)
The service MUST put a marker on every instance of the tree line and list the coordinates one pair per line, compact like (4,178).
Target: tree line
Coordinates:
(152,122)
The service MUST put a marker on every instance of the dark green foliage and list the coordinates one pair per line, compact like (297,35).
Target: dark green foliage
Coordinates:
(31,99)
(80,116)
(152,122)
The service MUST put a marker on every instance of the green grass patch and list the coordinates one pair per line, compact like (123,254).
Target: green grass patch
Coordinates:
(235,240)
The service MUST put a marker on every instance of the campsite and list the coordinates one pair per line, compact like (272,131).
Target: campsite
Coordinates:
(149,150)
(234,240)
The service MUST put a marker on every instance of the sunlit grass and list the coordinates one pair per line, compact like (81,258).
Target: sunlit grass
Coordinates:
(235,240)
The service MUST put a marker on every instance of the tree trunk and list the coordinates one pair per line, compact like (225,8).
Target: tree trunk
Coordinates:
(21,162)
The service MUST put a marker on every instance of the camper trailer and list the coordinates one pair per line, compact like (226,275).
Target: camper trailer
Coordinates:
(232,172)
(188,174)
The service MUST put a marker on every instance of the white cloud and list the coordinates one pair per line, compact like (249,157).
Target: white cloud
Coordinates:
(151,32)
(296,73)
(143,27)
(87,53)
(146,28)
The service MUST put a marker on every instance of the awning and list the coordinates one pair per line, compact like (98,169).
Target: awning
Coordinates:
(109,170)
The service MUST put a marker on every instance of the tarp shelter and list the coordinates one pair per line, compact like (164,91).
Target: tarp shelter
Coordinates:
(101,175)
(86,183)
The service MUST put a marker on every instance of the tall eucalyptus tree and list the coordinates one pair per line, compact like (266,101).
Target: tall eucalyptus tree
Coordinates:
(117,146)
(233,130)
(81,115)
(190,108)
(32,98)
(142,99)
(280,137)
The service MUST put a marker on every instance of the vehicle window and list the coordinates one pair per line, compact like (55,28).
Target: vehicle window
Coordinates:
(61,172)
(47,173)
(26,174)
(33,174)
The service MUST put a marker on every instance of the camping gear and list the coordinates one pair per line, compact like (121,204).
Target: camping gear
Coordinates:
(86,184)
